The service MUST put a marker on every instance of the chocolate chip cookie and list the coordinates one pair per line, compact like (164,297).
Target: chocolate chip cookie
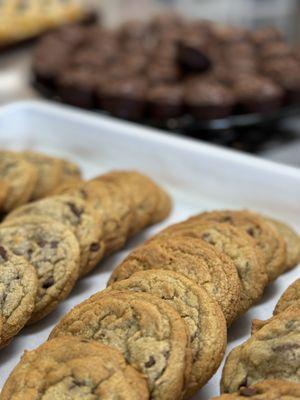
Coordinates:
(70,171)
(150,203)
(267,239)
(193,258)
(148,332)
(266,390)
(272,352)
(3,192)
(71,368)
(238,246)
(49,171)
(20,178)
(53,251)
(289,297)
(202,315)
(77,215)
(18,288)
(292,241)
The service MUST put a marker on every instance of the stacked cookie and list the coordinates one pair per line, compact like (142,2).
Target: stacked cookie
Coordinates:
(268,363)
(27,176)
(46,245)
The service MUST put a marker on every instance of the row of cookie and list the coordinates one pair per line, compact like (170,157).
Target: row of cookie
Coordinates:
(78,368)
(27,175)
(271,353)
(46,245)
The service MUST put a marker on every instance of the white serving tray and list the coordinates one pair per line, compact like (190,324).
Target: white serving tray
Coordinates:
(198,176)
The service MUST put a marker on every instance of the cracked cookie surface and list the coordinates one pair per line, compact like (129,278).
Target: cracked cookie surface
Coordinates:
(193,258)
(18,288)
(20,178)
(202,315)
(149,333)
(289,297)
(238,246)
(70,368)
(272,352)
(52,250)
(266,390)
(77,215)
(267,239)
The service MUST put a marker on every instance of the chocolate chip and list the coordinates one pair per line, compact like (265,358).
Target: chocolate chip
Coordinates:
(3,253)
(54,244)
(94,247)
(150,363)
(84,341)
(248,391)
(227,218)
(250,232)
(286,347)
(41,243)
(48,283)
(75,210)
(166,354)
(83,194)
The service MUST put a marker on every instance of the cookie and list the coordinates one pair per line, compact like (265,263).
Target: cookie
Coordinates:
(267,239)
(53,250)
(238,246)
(289,297)
(70,171)
(70,368)
(272,352)
(193,258)
(49,171)
(150,204)
(292,241)
(18,288)
(77,215)
(148,332)
(113,208)
(3,192)
(274,389)
(20,178)
(202,315)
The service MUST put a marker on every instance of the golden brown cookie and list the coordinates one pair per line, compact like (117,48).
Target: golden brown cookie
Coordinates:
(78,216)
(289,297)
(150,203)
(202,315)
(266,390)
(53,250)
(70,171)
(267,239)
(18,288)
(49,171)
(193,258)
(292,241)
(238,246)
(71,368)
(272,352)
(148,332)
(3,192)
(20,178)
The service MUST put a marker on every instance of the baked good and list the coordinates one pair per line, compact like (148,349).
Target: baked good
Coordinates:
(163,71)
(78,216)
(148,332)
(74,368)
(275,389)
(165,101)
(272,352)
(202,315)
(150,203)
(70,171)
(238,246)
(292,242)
(289,297)
(193,52)
(18,288)
(193,258)
(266,34)
(52,250)
(49,170)
(207,99)
(20,178)
(3,192)
(267,239)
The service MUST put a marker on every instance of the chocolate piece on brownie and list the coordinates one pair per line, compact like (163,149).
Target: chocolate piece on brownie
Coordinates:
(165,101)
(208,99)
(193,53)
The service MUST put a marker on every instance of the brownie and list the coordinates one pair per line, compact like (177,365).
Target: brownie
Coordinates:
(74,35)
(193,53)
(163,71)
(225,34)
(257,94)
(124,98)
(136,31)
(89,58)
(275,50)
(164,52)
(266,34)
(207,100)
(165,101)
(78,87)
